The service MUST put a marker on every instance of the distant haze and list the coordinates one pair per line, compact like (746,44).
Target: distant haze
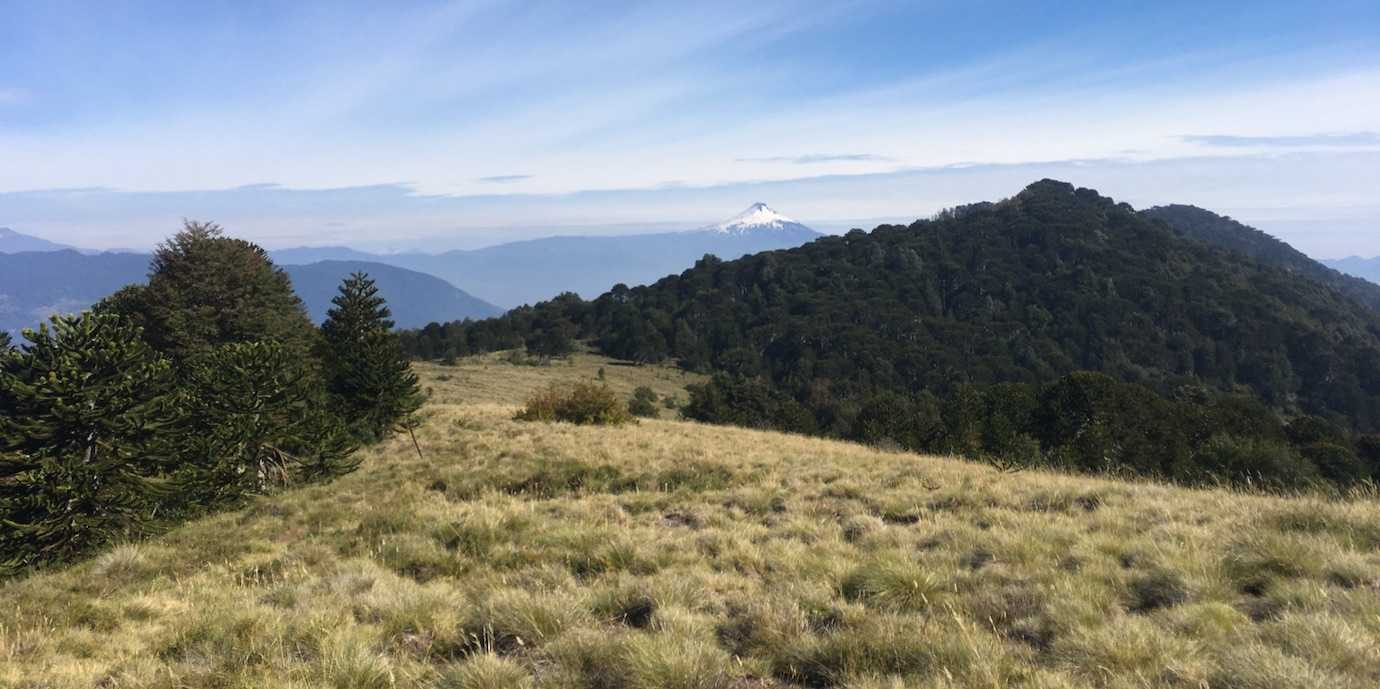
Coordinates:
(1268,192)
(468,123)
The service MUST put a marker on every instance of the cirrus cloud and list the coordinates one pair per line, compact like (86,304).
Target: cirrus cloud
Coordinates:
(1347,140)
(816,158)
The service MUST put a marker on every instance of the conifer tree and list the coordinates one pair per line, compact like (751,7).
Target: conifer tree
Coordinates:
(255,421)
(206,289)
(367,374)
(85,434)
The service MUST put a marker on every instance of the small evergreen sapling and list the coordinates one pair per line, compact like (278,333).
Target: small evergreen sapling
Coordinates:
(367,374)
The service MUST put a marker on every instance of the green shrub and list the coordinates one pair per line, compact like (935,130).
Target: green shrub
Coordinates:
(1335,462)
(577,403)
(643,402)
(749,402)
(521,357)
(1242,460)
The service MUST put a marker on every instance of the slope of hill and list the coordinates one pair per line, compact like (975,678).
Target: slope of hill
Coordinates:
(1355,266)
(12,242)
(678,555)
(36,284)
(526,272)
(1224,232)
(1027,290)
(414,298)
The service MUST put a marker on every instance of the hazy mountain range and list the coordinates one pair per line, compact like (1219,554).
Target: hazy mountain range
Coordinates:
(1365,268)
(526,272)
(12,242)
(38,277)
(36,284)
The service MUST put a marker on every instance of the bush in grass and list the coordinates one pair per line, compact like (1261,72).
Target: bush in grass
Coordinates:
(577,403)
(643,402)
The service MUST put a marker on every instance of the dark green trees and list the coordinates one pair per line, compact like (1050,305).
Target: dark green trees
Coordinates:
(255,422)
(749,402)
(84,437)
(190,393)
(206,289)
(369,379)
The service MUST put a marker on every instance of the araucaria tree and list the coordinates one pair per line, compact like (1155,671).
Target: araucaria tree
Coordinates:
(367,374)
(190,393)
(206,289)
(84,439)
(254,423)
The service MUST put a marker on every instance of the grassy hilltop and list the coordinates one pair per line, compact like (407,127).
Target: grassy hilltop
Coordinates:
(670,554)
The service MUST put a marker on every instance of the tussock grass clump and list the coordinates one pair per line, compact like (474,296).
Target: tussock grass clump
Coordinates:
(577,403)
(510,619)
(893,583)
(670,554)
(630,604)
(663,661)
(486,671)
(1157,589)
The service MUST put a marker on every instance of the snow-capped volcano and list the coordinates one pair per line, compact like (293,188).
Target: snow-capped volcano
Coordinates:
(758,216)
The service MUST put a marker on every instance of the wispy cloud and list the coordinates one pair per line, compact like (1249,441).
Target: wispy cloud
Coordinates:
(503,179)
(1352,139)
(816,158)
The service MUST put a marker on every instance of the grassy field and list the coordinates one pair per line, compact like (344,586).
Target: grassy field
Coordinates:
(671,554)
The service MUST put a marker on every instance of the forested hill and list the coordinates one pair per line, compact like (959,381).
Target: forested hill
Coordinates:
(1029,289)
(1225,232)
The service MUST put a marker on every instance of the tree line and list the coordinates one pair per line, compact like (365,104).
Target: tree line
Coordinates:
(1085,421)
(191,392)
(1027,291)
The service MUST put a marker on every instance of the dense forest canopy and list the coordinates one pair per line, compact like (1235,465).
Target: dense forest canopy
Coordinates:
(1222,231)
(1029,290)
(1051,281)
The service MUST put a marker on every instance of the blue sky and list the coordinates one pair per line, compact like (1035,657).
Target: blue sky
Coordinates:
(388,125)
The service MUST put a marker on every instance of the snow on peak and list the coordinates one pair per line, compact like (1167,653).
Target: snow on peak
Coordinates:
(758,215)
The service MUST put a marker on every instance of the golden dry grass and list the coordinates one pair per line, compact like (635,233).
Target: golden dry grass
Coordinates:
(490,379)
(671,554)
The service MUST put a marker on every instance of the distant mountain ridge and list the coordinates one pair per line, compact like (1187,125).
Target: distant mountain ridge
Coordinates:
(532,270)
(1224,232)
(34,285)
(414,298)
(12,242)
(1355,266)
